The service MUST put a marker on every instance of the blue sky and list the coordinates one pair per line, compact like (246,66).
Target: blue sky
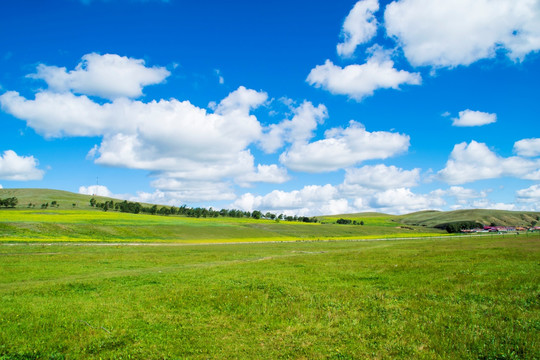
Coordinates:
(297,107)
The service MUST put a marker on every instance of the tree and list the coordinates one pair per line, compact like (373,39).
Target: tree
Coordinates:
(93,202)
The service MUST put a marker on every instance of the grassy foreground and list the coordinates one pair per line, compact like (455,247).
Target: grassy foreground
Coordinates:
(446,298)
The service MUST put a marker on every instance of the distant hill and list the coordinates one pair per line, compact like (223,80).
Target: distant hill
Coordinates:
(64,199)
(483,216)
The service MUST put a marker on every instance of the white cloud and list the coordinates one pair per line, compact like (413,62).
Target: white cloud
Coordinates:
(299,129)
(174,139)
(528,147)
(187,190)
(444,33)
(474,118)
(360,81)
(265,173)
(463,195)
(359,26)
(98,190)
(343,148)
(220,77)
(1,187)
(475,161)
(403,200)
(19,168)
(57,115)
(108,76)
(529,195)
(382,177)
(165,135)
(310,200)
(486,204)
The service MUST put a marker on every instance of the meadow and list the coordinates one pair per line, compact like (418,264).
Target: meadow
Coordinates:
(446,298)
(54,225)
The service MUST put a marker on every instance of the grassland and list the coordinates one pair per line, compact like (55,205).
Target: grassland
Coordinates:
(450,298)
(91,225)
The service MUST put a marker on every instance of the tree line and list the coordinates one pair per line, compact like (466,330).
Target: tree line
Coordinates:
(198,212)
(342,221)
(9,202)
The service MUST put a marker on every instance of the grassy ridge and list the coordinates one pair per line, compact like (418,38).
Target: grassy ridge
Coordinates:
(486,217)
(421,299)
(65,199)
(88,225)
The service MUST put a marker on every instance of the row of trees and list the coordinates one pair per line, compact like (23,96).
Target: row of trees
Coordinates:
(136,208)
(457,226)
(9,202)
(349,222)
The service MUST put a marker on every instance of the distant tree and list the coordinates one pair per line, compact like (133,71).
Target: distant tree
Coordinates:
(93,202)
(256,214)
(11,202)
(362,222)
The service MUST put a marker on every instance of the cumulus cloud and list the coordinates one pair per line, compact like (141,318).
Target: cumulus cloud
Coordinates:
(98,190)
(173,139)
(108,76)
(158,135)
(475,161)
(473,118)
(360,81)
(529,195)
(403,200)
(343,148)
(462,194)
(330,200)
(310,200)
(265,173)
(359,26)
(445,33)
(57,115)
(528,147)
(382,177)
(19,168)
(187,190)
(486,204)
(299,129)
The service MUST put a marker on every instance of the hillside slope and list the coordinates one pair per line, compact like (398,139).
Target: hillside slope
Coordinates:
(483,216)
(64,199)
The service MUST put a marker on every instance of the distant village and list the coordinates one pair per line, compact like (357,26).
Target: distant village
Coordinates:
(501,229)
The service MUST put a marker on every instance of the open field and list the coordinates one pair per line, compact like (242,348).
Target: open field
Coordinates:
(447,298)
(91,225)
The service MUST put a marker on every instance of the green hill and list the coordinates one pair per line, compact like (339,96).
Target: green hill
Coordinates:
(483,216)
(64,199)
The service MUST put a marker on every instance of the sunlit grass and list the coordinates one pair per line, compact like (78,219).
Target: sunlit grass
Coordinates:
(54,225)
(444,298)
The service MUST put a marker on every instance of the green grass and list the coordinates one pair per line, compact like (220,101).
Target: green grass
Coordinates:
(498,217)
(65,199)
(90,225)
(450,298)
